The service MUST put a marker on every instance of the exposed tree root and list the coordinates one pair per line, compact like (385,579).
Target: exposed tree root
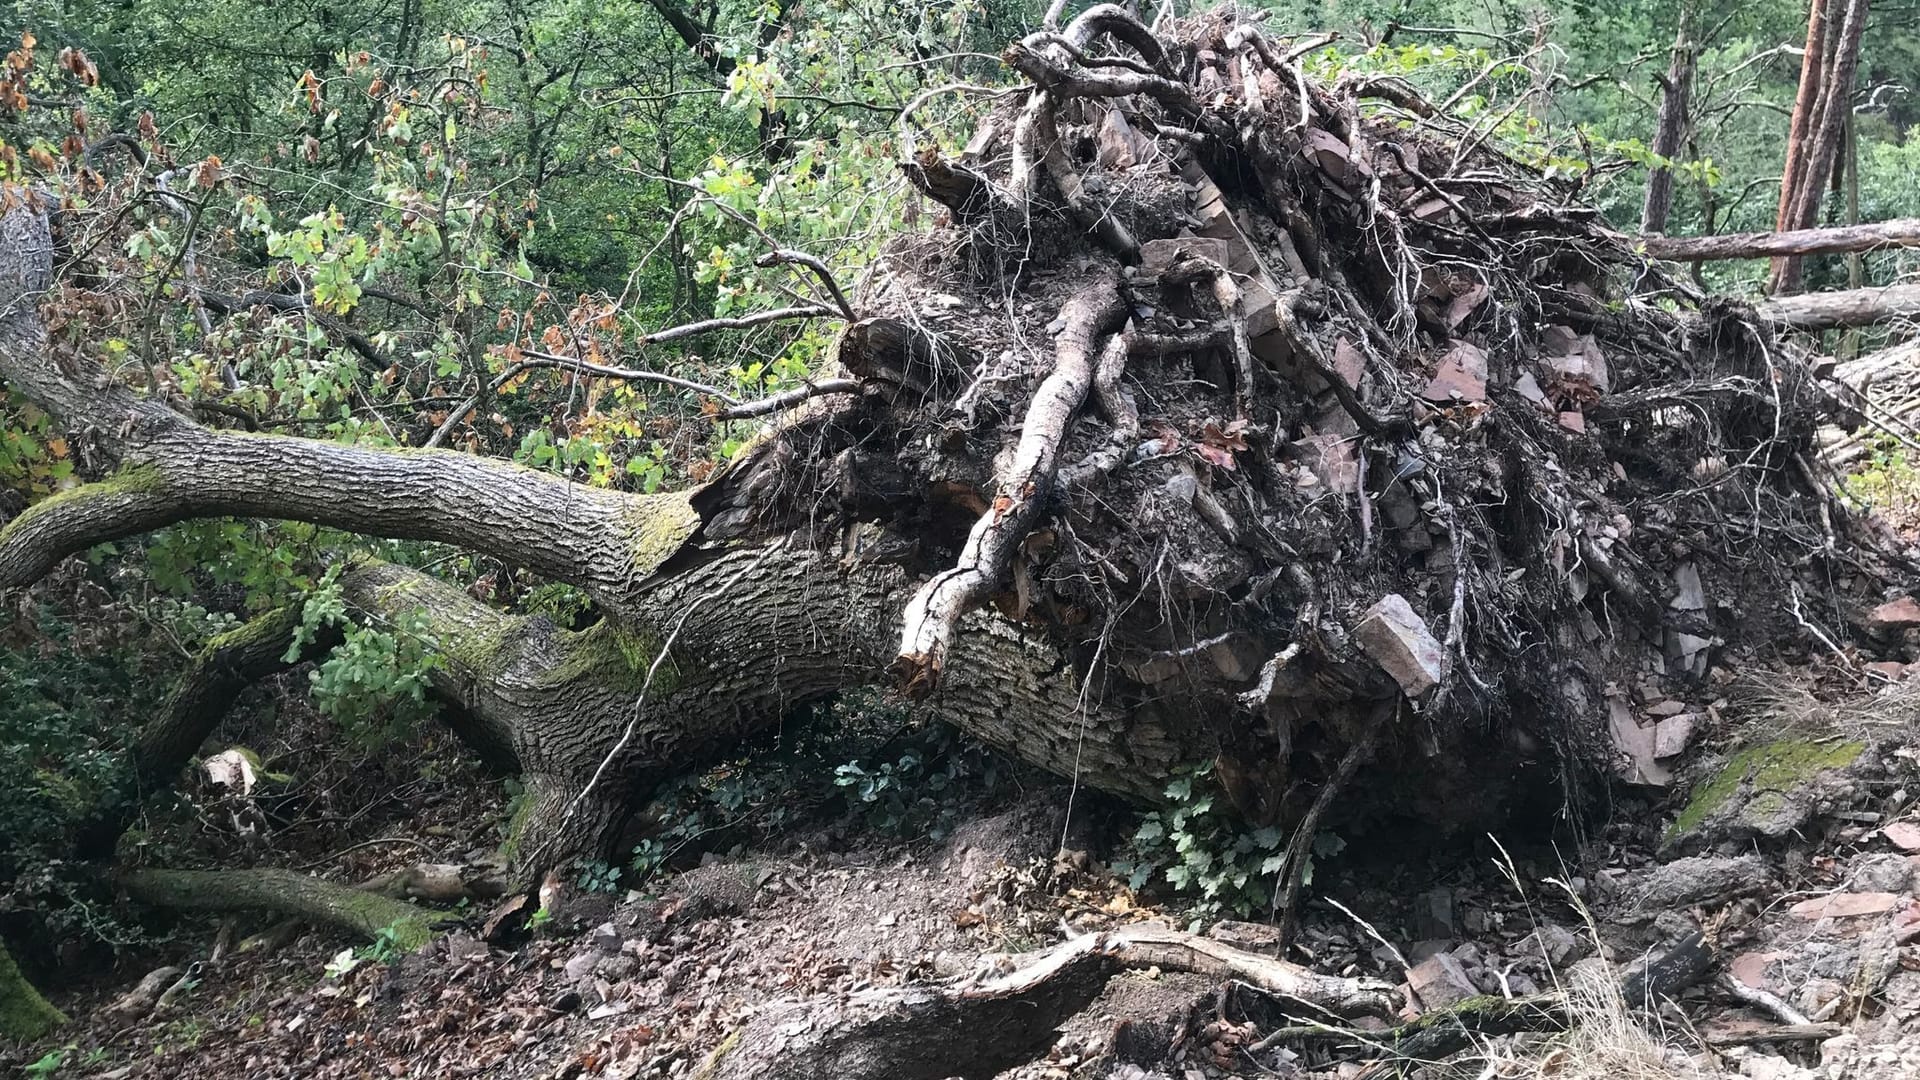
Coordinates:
(980,1028)
(933,615)
(1440,1033)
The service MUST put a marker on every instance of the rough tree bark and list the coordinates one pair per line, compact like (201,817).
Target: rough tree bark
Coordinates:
(1670,131)
(685,663)
(1816,137)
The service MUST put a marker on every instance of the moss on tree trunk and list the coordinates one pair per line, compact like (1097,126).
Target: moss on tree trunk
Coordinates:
(289,893)
(24,1014)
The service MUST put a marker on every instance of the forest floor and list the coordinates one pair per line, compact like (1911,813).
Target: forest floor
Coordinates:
(1805,884)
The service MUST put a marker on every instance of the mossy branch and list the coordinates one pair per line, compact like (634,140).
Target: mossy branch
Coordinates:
(288,893)
(24,1014)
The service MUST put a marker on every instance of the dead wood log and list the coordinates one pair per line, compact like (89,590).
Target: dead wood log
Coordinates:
(981,1028)
(368,914)
(1849,307)
(1904,232)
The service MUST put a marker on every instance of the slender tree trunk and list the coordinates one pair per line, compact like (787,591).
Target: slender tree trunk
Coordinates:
(1670,133)
(1822,136)
(1805,102)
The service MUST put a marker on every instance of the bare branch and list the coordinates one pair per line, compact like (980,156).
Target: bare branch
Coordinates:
(800,258)
(788,399)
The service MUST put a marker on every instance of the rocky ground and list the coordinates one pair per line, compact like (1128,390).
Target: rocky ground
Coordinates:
(1797,856)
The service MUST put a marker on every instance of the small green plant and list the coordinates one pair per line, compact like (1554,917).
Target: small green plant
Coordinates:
(540,918)
(385,946)
(383,949)
(48,1063)
(597,876)
(1205,853)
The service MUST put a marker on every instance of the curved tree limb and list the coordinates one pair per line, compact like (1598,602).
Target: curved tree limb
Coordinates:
(227,666)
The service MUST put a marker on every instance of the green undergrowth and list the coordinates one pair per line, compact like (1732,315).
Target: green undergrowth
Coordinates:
(859,764)
(1200,850)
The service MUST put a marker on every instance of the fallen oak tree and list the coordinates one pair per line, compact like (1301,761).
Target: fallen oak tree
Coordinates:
(1375,420)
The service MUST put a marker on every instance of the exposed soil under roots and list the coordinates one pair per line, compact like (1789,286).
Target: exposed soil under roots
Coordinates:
(1204,360)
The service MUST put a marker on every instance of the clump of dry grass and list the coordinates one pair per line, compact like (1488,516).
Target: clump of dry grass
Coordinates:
(1773,705)
(1605,1039)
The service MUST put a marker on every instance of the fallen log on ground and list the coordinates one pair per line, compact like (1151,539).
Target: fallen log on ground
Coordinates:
(983,1027)
(369,914)
(1833,240)
(1850,307)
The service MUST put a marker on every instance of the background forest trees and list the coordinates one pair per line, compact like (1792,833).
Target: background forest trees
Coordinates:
(397,214)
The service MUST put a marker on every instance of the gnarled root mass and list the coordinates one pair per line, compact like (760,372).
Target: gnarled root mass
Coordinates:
(1277,401)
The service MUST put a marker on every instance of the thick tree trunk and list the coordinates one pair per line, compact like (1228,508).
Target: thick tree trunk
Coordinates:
(1902,233)
(24,1014)
(1267,531)
(725,647)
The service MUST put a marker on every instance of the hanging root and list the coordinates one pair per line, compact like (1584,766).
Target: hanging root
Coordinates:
(933,615)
